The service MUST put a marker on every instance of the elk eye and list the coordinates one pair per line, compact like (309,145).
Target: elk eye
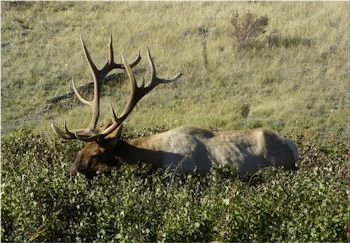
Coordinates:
(93,162)
(94,158)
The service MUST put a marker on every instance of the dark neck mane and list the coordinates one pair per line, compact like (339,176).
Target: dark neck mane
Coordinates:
(134,151)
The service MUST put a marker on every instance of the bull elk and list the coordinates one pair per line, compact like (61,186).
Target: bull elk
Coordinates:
(183,149)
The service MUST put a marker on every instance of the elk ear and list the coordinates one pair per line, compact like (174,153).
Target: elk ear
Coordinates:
(113,138)
(110,141)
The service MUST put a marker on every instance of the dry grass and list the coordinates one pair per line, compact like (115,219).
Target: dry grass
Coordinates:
(296,87)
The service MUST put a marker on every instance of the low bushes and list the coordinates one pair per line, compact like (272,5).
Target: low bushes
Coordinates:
(41,202)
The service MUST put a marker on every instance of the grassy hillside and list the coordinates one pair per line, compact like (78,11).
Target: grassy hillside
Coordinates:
(295,85)
(298,87)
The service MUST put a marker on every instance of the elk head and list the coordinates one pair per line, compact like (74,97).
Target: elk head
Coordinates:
(99,152)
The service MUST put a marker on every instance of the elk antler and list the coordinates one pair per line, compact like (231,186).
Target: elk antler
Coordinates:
(98,76)
(136,94)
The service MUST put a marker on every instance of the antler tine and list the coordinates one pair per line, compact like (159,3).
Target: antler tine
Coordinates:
(98,81)
(136,61)
(62,134)
(154,81)
(136,92)
(153,68)
(110,65)
(111,54)
(92,66)
(134,97)
(82,100)
(131,103)
(93,70)
(89,137)
(66,134)
(115,117)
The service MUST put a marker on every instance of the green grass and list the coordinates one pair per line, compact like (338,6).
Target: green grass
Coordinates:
(297,88)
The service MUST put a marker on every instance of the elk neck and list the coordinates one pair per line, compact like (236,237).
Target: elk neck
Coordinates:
(138,150)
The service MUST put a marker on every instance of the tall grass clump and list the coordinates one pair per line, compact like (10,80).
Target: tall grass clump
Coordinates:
(247,28)
(41,202)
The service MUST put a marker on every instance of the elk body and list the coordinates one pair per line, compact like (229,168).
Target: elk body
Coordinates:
(183,149)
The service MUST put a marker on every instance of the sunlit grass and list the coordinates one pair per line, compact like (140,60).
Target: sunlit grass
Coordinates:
(302,85)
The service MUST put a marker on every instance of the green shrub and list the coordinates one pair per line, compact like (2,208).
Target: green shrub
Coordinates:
(41,202)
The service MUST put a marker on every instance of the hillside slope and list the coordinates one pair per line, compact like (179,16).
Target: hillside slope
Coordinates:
(297,86)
